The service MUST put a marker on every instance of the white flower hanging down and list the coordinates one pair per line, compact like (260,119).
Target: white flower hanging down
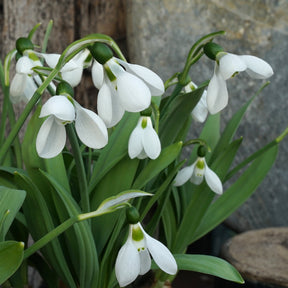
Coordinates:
(23,84)
(144,141)
(72,71)
(134,257)
(200,111)
(51,137)
(120,89)
(226,66)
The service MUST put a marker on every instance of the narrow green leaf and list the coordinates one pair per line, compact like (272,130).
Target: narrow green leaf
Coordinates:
(11,201)
(11,255)
(208,265)
(154,167)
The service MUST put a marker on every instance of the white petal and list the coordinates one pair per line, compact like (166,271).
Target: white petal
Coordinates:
(51,59)
(60,107)
(151,142)
(153,81)
(217,94)
(200,111)
(145,261)
(135,145)
(73,77)
(51,138)
(90,128)
(17,87)
(24,65)
(161,255)
(30,89)
(127,266)
(184,175)
(97,74)
(230,64)
(133,93)
(108,106)
(256,67)
(213,181)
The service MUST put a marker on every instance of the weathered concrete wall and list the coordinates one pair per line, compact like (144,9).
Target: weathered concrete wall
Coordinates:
(160,34)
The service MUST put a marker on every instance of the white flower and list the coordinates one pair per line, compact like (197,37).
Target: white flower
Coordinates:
(226,66)
(131,89)
(51,137)
(134,259)
(72,71)
(200,111)
(144,141)
(196,173)
(23,84)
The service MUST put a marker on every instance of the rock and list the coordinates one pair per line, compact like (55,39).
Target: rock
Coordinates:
(160,34)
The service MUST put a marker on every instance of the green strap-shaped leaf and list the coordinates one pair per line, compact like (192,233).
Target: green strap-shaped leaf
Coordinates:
(11,255)
(10,202)
(154,167)
(238,193)
(208,265)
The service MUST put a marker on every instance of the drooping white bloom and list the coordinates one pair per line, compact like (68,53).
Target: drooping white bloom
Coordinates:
(134,257)
(144,141)
(226,66)
(200,111)
(196,173)
(23,85)
(51,137)
(72,71)
(131,89)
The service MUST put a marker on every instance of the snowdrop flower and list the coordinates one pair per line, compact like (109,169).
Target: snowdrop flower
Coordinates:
(24,83)
(120,89)
(134,257)
(197,172)
(200,111)
(51,137)
(72,71)
(144,141)
(226,66)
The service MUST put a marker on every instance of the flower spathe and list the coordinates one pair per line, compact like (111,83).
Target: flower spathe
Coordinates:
(60,110)
(144,141)
(134,258)
(196,173)
(121,90)
(226,66)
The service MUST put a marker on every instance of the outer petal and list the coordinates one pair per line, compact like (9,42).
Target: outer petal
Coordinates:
(200,111)
(108,105)
(217,94)
(256,67)
(30,89)
(197,175)
(17,87)
(51,138)
(184,175)
(213,181)
(60,107)
(145,261)
(151,142)
(97,74)
(127,266)
(161,255)
(51,59)
(133,93)
(230,64)
(135,145)
(73,77)
(153,81)
(90,128)
(24,65)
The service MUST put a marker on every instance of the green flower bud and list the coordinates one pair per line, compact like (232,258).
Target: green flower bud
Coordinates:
(202,150)
(101,52)
(64,88)
(23,44)
(211,50)
(132,215)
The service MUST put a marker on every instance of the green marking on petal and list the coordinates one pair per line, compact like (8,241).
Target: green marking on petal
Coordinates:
(137,234)
(144,122)
(200,164)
